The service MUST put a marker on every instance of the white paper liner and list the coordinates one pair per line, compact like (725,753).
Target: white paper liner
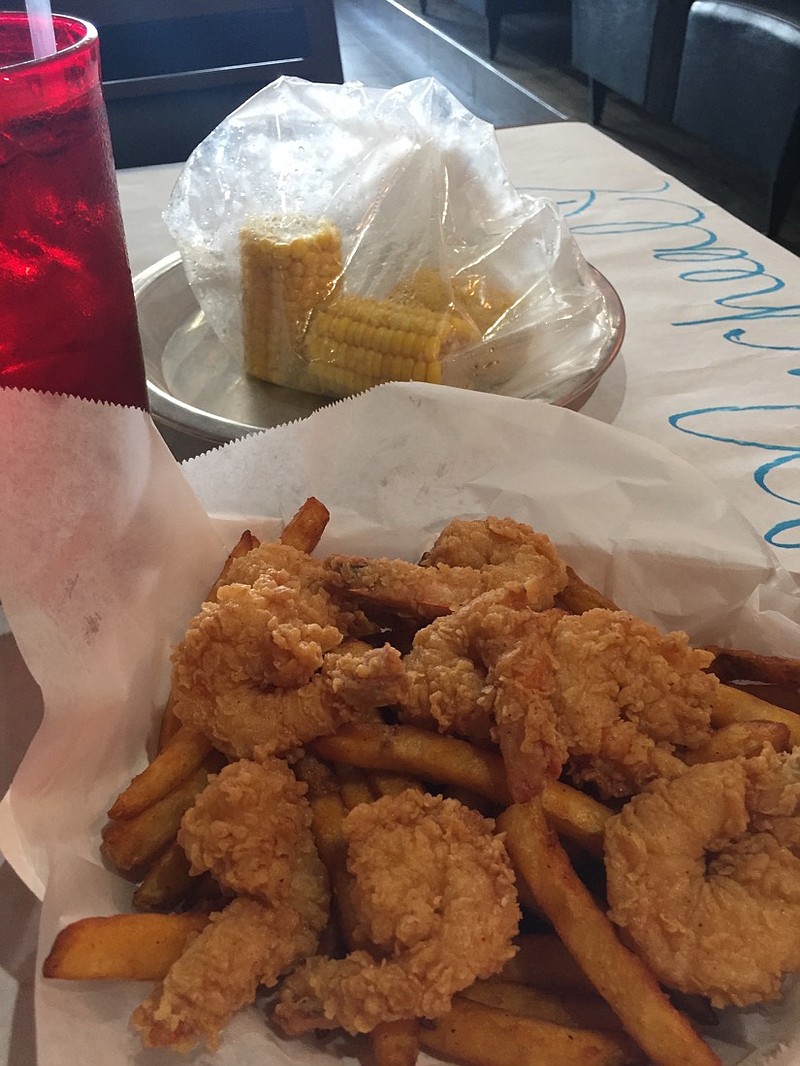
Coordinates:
(106,548)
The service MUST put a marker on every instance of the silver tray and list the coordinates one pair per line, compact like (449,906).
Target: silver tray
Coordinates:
(197,388)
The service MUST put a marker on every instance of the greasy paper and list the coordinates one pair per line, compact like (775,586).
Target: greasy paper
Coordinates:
(107,546)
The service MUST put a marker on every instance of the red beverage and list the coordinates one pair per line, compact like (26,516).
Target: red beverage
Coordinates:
(67,312)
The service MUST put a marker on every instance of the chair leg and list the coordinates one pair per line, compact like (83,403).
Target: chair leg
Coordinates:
(423,6)
(597,92)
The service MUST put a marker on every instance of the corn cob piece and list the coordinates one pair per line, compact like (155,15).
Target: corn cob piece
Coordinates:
(473,295)
(288,265)
(354,342)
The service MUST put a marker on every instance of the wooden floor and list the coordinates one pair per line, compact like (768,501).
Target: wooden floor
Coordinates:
(532,63)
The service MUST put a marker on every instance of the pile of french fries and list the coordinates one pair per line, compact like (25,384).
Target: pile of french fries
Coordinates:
(574,994)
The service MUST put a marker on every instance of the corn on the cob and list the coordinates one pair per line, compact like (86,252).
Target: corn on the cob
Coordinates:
(289,265)
(354,342)
(473,295)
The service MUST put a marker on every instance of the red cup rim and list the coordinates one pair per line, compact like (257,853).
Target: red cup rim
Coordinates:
(89,35)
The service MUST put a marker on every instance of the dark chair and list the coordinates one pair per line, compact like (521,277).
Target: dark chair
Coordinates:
(739,89)
(632,47)
(174,69)
(494,10)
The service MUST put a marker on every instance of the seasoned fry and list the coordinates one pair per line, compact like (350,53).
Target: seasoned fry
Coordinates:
(131,843)
(128,947)
(484,1036)
(580,1010)
(304,530)
(619,976)
(741,738)
(738,705)
(737,664)
(578,597)
(167,882)
(179,758)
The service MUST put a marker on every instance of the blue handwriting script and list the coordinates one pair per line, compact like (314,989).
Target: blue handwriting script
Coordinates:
(750,297)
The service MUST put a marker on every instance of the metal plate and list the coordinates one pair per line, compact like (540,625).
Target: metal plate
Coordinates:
(198,388)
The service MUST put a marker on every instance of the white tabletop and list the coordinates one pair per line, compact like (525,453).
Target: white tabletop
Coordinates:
(709,368)
(711,357)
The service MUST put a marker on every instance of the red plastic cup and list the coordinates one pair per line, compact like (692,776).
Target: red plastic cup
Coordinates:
(67,311)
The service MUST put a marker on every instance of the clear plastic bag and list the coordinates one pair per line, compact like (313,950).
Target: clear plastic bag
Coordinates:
(336,236)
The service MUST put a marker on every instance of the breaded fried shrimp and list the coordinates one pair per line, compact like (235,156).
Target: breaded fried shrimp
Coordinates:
(602,693)
(260,668)
(434,893)
(704,877)
(251,828)
(628,699)
(467,559)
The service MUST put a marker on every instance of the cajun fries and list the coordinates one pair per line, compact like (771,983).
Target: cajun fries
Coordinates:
(574,993)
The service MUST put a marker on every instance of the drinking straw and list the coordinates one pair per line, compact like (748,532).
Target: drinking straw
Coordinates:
(40,21)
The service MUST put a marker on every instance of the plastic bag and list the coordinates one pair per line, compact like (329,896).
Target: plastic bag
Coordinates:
(337,236)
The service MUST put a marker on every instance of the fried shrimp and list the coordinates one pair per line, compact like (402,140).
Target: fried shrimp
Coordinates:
(434,893)
(467,559)
(260,666)
(704,877)
(486,672)
(602,693)
(251,828)
(628,701)
(245,719)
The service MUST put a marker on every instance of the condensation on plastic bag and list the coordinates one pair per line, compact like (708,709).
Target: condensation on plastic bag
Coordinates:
(416,188)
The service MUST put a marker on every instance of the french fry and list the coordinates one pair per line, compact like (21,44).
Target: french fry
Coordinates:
(408,750)
(170,724)
(740,738)
(576,816)
(618,974)
(578,597)
(354,786)
(454,762)
(328,812)
(738,705)
(244,544)
(393,1043)
(737,664)
(543,962)
(304,530)
(176,761)
(167,882)
(389,784)
(396,1043)
(579,1010)
(130,947)
(130,844)
(485,1036)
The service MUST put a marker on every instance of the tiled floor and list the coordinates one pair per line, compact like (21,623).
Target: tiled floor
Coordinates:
(534,54)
